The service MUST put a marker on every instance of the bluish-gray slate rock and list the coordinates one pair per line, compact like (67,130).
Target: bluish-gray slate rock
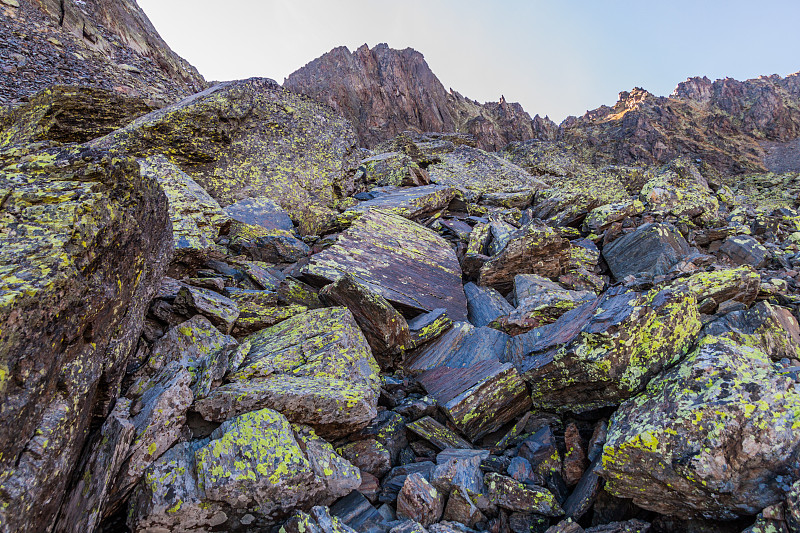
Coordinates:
(605,352)
(461,346)
(410,202)
(412,267)
(478,399)
(356,511)
(221,311)
(502,233)
(485,304)
(427,327)
(715,437)
(394,480)
(585,492)
(260,211)
(745,250)
(651,250)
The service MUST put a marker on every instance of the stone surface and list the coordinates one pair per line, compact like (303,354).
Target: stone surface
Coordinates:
(316,368)
(413,203)
(385,329)
(257,464)
(479,399)
(745,250)
(605,352)
(737,284)
(485,304)
(220,311)
(462,346)
(514,496)
(251,138)
(84,242)
(407,264)
(534,249)
(652,249)
(437,434)
(673,441)
(368,455)
(418,499)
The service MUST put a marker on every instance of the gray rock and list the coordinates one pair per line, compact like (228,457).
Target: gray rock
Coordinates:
(514,496)
(745,250)
(485,304)
(418,499)
(221,311)
(653,249)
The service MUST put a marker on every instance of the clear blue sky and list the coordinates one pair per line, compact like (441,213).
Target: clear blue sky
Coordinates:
(556,57)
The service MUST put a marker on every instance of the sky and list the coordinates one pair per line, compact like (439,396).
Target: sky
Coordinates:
(555,57)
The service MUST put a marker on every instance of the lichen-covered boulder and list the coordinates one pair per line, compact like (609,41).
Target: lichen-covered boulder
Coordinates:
(606,351)
(601,217)
(255,470)
(84,242)
(716,437)
(197,219)
(413,203)
(69,114)
(680,190)
(250,138)
(650,250)
(393,169)
(407,264)
(737,284)
(316,368)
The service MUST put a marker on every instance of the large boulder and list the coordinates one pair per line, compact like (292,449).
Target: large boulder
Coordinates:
(715,437)
(84,242)
(680,190)
(606,351)
(651,250)
(409,265)
(255,470)
(251,138)
(316,368)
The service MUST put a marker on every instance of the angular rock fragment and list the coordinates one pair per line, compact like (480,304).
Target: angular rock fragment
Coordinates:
(221,311)
(413,203)
(745,250)
(602,217)
(461,347)
(316,368)
(652,249)
(427,327)
(575,461)
(485,304)
(585,492)
(607,351)
(769,328)
(251,138)
(368,455)
(715,437)
(393,168)
(533,249)
(478,399)
(261,211)
(394,481)
(514,496)
(197,219)
(357,513)
(385,329)
(259,310)
(737,284)
(404,262)
(267,245)
(84,242)
(418,499)
(680,190)
(438,435)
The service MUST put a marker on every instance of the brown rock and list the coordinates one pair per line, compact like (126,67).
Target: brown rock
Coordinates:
(575,461)
(418,499)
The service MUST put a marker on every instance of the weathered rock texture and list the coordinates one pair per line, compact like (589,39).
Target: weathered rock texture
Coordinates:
(92,43)
(84,241)
(386,92)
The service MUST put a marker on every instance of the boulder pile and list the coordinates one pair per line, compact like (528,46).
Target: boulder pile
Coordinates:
(224,316)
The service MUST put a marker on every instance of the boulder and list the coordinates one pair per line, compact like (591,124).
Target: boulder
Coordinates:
(485,304)
(197,219)
(413,203)
(745,250)
(514,496)
(251,138)
(533,249)
(368,456)
(737,284)
(418,499)
(385,329)
(653,249)
(220,311)
(606,351)
(462,346)
(407,264)
(261,211)
(600,218)
(254,471)
(715,437)
(84,242)
(259,310)
(680,190)
(316,368)
(393,169)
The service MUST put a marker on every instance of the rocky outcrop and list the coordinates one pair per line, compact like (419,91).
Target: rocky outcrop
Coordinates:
(94,43)
(385,92)
(85,239)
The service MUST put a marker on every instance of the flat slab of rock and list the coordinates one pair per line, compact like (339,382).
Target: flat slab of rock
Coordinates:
(461,346)
(745,250)
(652,249)
(515,496)
(715,437)
(485,304)
(479,399)
(606,351)
(315,368)
(261,211)
(410,202)
(437,434)
(407,264)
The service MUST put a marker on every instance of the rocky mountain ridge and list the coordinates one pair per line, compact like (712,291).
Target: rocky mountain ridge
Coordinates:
(218,313)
